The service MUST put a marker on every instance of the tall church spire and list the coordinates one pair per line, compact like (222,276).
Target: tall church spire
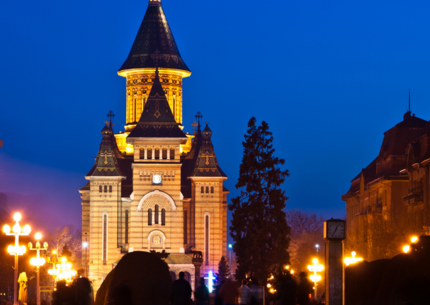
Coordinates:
(154,2)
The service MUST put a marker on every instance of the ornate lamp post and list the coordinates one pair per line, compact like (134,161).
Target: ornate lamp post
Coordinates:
(315,268)
(352,260)
(38,261)
(63,271)
(17,249)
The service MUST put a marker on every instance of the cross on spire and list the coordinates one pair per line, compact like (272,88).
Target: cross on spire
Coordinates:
(198,117)
(109,122)
(194,125)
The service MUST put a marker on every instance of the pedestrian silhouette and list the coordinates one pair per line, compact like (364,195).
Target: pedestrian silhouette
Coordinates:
(181,291)
(305,290)
(288,290)
(201,295)
(218,299)
(244,293)
(228,292)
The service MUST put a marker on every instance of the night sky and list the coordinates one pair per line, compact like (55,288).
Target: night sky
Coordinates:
(329,77)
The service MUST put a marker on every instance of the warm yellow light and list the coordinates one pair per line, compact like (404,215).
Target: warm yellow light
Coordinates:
(287,267)
(10,249)
(292,271)
(16,228)
(50,271)
(17,216)
(27,229)
(38,236)
(272,290)
(414,239)
(406,249)
(315,261)
(54,252)
(315,278)
(352,260)
(23,249)
(64,259)
(6,229)
(269,285)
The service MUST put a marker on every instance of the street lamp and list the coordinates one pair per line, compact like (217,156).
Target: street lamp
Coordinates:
(315,268)
(352,260)
(17,249)
(63,272)
(230,246)
(317,247)
(52,271)
(38,261)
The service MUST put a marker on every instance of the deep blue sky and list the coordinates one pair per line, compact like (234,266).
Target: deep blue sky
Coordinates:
(328,76)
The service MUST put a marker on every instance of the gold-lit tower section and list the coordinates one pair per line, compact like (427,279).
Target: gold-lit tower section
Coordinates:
(154,46)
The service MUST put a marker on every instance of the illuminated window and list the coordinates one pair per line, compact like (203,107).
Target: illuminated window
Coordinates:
(202,189)
(185,227)
(105,239)
(126,226)
(105,188)
(150,217)
(212,189)
(156,214)
(157,153)
(172,154)
(207,240)
(163,217)
(100,189)
(110,188)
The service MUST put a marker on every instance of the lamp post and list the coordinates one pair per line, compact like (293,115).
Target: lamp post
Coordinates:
(352,260)
(63,271)
(17,249)
(53,261)
(315,268)
(317,247)
(38,261)
(230,247)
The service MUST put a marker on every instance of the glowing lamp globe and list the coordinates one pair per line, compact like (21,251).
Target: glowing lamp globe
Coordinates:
(38,236)
(6,229)
(414,239)
(406,249)
(17,217)
(27,229)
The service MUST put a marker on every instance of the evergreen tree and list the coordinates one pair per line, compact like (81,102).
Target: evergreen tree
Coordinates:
(259,227)
(223,270)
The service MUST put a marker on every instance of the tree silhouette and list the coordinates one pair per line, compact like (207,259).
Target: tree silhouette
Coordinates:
(223,270)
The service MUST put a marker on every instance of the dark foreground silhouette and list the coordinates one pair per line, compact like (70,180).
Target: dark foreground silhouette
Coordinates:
(402,280)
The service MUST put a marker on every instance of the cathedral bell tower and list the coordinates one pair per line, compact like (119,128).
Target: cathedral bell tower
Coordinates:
(154,46)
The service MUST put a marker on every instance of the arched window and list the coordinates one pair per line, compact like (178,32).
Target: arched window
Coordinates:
(164,154)
(150,217)
(110,188)
(212,189)
(149,153)
(105,188)
(126,226)
(157,153)
(163,217)
(172,153)
(207,189)
(203,189)
(100,189)
(185,227)
(156,214)
(207,240)
(105,239)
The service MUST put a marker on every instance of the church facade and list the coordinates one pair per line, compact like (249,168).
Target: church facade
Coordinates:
(154,187)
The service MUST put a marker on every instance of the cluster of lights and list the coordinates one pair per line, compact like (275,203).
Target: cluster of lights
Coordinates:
(37,261)
(287,267)
(315,268)
(407,248)
(352,260)
(18,250)
(63,271)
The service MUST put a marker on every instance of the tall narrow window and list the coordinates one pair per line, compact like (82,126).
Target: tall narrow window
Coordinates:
(207,240)
(105,239)
(185,227)
(156,214)
(142,153)
(100,189)
(150,217)
(163,217)
(105,188)
(110,188)
(157,154)
(126,226)
(172,153)
(149,153)
(212,189)
(207,189)
(202,189)
(164,153)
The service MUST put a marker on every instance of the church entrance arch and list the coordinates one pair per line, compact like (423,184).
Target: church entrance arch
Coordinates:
(152,197)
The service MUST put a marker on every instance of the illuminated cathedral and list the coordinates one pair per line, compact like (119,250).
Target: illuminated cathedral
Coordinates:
(154,187)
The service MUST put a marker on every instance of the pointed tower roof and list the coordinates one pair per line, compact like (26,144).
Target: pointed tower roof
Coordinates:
(157,118)
(106,163)
(203,155)
(154,42)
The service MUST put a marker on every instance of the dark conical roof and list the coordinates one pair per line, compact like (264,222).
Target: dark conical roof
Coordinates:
(157,119)
(154,42)
(106,163)
(205,163)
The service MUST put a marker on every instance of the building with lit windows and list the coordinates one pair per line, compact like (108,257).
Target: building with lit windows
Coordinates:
(154,187)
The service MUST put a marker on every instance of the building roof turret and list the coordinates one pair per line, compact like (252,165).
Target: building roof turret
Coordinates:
(106,164)
(154,45)
(157,118)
